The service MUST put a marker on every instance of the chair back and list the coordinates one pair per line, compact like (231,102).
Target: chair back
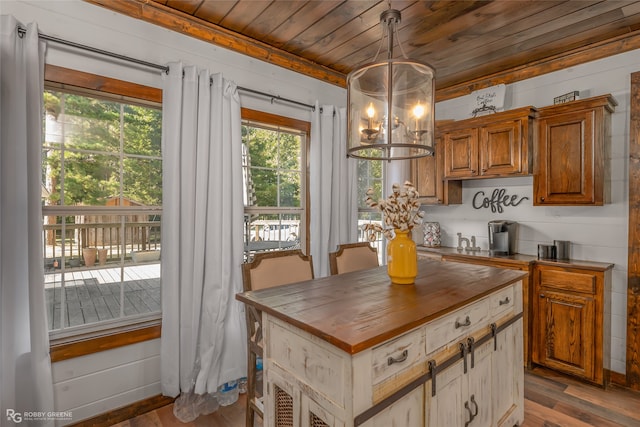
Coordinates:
(268,269)
(353,257)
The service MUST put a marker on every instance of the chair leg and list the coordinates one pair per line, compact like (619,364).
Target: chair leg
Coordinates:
(251,386)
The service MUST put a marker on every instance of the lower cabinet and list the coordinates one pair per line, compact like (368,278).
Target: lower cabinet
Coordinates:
(463,369)
(570,331)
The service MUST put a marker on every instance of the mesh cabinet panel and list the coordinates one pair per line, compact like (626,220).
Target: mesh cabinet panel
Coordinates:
(284,408)
(315,421)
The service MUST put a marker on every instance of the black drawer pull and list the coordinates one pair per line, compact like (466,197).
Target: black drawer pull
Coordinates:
(467,322)
(402,358)
(505,301)
(471,416)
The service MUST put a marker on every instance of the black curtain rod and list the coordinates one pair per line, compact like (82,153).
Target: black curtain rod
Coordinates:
(22,31)
(276,97)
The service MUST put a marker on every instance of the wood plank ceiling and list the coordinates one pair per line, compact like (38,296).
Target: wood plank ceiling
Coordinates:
(464,40)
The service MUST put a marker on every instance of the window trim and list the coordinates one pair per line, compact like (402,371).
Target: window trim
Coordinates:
(298,125)
(107,339)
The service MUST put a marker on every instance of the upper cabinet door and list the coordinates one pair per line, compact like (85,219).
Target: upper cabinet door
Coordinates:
(427,176)
(501,149)
(461,153)
(572,153)
(496,145)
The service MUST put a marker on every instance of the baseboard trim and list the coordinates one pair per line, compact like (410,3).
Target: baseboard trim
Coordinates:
(126,412)
(616,378)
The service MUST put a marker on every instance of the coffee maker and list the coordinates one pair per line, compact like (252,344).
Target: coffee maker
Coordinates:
(502,237)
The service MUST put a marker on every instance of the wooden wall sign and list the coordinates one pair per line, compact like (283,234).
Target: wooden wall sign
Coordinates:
(498,200)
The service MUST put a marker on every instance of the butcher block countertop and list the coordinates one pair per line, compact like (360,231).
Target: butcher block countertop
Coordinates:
(514,260)
(359,310)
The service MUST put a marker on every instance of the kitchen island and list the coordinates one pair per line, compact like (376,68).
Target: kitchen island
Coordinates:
(353,349)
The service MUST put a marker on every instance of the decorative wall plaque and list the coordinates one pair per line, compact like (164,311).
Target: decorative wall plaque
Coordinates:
(498,201)
(487,101)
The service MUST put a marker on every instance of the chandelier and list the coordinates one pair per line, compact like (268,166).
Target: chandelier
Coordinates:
(391,104)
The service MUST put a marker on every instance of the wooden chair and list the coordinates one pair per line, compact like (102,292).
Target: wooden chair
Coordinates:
(353,257)
(266,270)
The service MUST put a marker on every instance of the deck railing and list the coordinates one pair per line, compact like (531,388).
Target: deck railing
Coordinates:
(119,240)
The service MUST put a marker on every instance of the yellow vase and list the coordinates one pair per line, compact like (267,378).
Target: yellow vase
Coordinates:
(402,259)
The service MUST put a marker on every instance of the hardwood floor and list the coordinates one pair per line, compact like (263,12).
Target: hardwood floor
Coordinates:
(551,400)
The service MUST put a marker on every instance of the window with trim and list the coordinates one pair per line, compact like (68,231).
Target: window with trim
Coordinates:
(370,175)
(102,204)
(274,169)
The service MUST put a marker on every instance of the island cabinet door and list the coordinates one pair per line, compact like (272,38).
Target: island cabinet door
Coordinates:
(478,399)
(445,407)
(508,377)
(463,399)
(406,412)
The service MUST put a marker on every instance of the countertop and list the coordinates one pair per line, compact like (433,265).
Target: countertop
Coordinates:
(451,253)
(358,310)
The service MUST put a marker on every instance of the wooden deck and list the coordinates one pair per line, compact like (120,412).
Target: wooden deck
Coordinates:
(102,294)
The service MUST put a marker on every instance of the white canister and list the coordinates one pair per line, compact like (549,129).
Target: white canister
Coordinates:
(431,234)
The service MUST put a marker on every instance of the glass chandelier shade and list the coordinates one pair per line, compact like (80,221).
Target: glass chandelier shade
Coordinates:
(391,105)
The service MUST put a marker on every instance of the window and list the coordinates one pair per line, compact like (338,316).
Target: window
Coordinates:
(102,199)
(275,175)
(370,175)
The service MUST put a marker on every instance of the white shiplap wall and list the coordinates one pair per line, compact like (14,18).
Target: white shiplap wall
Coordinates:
(597,233)
(100,382)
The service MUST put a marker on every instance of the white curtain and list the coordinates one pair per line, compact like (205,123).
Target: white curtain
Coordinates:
(333,186)
(25,365)
(203,342)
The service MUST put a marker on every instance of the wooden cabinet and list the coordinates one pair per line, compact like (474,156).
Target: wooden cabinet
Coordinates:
(496,145)
(427,176)
(570,333)
(572,153)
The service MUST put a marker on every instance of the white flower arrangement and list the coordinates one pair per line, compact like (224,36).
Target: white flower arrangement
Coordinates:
(401,211)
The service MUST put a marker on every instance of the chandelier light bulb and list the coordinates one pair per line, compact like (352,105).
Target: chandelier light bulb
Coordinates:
(418,111)
(371,112)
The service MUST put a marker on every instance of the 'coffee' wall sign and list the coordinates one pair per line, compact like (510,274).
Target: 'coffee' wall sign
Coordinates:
(498,199)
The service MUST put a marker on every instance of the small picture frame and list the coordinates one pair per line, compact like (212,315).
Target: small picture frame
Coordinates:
(567,97)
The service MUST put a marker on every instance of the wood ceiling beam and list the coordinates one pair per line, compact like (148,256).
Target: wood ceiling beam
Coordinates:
(161,15)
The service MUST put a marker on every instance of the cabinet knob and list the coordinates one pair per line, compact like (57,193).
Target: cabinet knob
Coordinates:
(541,295)
(542,199)
(473,171)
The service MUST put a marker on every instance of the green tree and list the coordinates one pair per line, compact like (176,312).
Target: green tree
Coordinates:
(91,146)
(275,166)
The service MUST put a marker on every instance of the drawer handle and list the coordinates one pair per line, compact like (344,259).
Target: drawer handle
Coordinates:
(467,322)
(472,415)
(473,400)
(402,358)
(505,301)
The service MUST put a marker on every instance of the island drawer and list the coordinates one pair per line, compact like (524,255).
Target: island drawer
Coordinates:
(502,302)
(457,324)
(398,355)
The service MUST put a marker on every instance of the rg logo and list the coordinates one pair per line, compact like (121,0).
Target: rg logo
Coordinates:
(14,416)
